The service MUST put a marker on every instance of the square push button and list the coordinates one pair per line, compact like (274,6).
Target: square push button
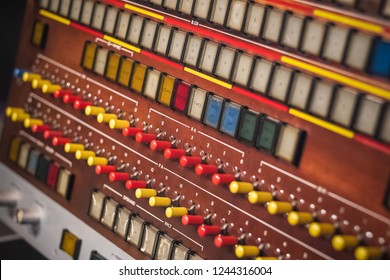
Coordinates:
(182,93)
(164,248)
(196,103)
(268,135)
(380,62)
(109,213)
(33,161)
(152,83)
(213,111)
(65,183)
(125,69)
(39,34)
(89,55)
(166,90)
(248,126)
(149,240)
(180,252)
(138,78)
(96,205)
(122,222)
(52,176)
(70,244)
(230,118)
(122,25)
(14,149)
(23,155)
(135,232)
(43,168)
(289,144)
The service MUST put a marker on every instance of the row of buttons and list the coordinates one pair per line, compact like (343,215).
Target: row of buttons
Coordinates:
(147,238)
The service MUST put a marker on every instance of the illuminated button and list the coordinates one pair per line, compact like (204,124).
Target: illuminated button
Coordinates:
(134,32)
(313,37)
(192,50)
(240,187)
(22,158)
(280,83)
(86,13)
(289,144)
(163,38)
(14,149)
(218,14)
(206,169)
(358,50)
(225,61)
(344,105)
(73,147)
(10,110)
(38,83)
(298,218)
(42,168)
(19,117)
(300,91)
(254,19)
(112,66)
(192,220)
(122,222)
(109,213)
(100,61)
(131,131)
(70,244)
(138,77)
(321,99)
(182,93)
(156,201)
(104,169)
(204,230)
(152,83)
(149,240)
(246,251)
(61,93)
(29,77)
(32,163)
(175,212)
(110,20)
(148,34)
(242,69)
(196,103)
(49,88)
(118,176)
(157,145)
(105,118)
(220,179)
(79,104)
(91,161)
(164,248)
(39,128)
(230,117)
(145,193)
(122,25)
(342,242)
(94,111)
(293,30)
(96,205)
(65,183)
(185,6)
(268,135)
(225,240)
(335,43)
(70,98)
(125,70)
(49,134)
(266,258)
(262,73)
(60,141)
(201,8)
(368,115)
(89,55)
(368,253)
(279,207)
(177,44)
(30,122)
(213,111)
(174,153)
(273,25)
(209,53)
(84,154)
(166,90)
(118,124)
(188,161)
(320,229)
(255,197)
(135,184)
(136,228)
(236,15)
(52,175)
(145,137)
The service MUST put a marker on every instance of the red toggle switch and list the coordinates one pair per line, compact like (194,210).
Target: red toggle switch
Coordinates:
(225,240)
(60,141)
(205,169)
(131,131)
(141,137)
(134,184)
(220,179)
(71,98)
(188,161)
(192,220)
(61,93)
(204,230)
(174,153)
(102,169)
(157,145)
(118,176)
(39,128)
(48,134)
(79,104)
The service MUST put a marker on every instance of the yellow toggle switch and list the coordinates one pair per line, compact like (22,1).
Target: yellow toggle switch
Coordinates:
(38,83)
(30,122)
(92,160)
(93,110)
(118,124)
(145,193)
(156,201)
(259,197)
(73,147)
(9,110)
(240,187)
(299,218)
(28,77)
(175,212)
(246,251)
(320,229)
(84,154)
(279,207)
(103,117)
(50,88)
(266,258)
(368,253)
(342,242)
(19,117)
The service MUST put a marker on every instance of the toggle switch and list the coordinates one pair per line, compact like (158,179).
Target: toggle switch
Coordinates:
(38,83)
(299,218)
(71,98)
(49,134)
(9,110)
(174,153)
(118,124)
(28,76)
(240,187)
(80,104)
(204,230)
(279,207)
(104,169)
(368,253)
(206,169)
(221,179)
(158,145)
(49,88)
(189,161)
(247,251)
(342,242)
(30,216)
(92,160)
(39,128)
(118,176)
(19,117)
(255,197)
(225,240)
(175,212)
(94,111)
(73,147)
(156,201)
(61,93)
(30,122)
(145,193)
(320,229)
(9,198)
(60,141)
(146,138)
(135,184)
(79,154)
(105,118)
(192,220)
(131,131)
